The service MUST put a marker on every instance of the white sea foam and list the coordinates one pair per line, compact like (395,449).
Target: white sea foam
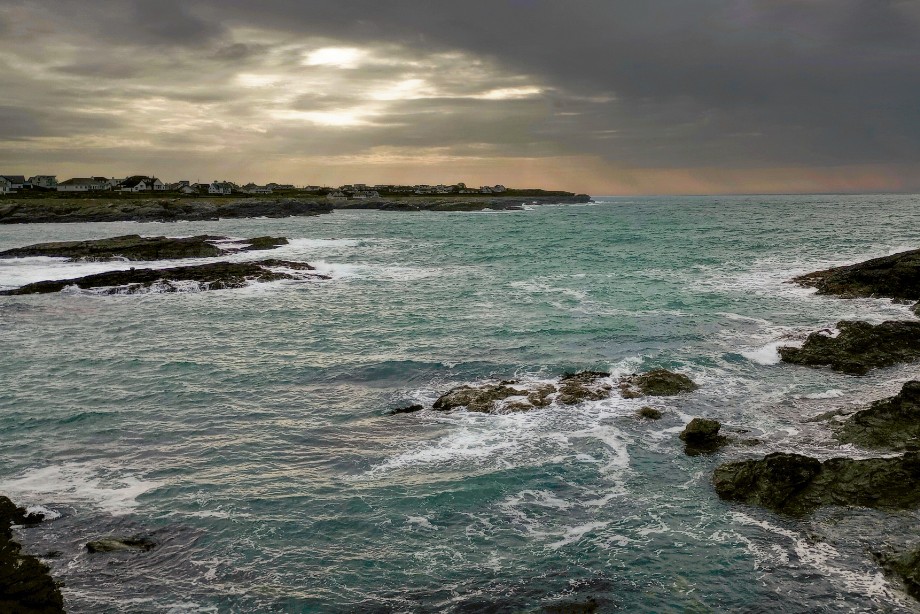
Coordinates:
(48,513)
(422,522)
(79,483)
(767,354)
(834,393)
(821,556)
(574,534)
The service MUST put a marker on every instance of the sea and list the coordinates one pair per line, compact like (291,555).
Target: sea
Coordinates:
(248,432)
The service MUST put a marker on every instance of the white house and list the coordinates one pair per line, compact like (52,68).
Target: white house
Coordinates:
(220,187)
(140,183)
(365,194)
(82,184)
(43,181)
(16,181)
(485,190)
(498,189)
(5,186)
(336,196)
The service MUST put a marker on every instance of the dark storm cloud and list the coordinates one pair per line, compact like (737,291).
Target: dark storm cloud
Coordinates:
(663,83)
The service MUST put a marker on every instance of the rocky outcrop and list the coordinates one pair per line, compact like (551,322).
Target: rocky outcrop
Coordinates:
(656,383)
(892,423)
(26,587)
(512,396)
(121,544)
(136,247)
(649,413)
(701,436)
(409,409)
(214,276)
(120,209)
(796,485)
(859,347)
(906,567)
(896,277)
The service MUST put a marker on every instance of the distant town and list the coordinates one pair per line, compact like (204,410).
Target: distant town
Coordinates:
(16,184)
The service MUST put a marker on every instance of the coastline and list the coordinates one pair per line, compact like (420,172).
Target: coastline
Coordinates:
(169,208)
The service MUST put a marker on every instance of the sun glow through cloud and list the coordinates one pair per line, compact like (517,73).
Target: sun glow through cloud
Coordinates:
(338,57)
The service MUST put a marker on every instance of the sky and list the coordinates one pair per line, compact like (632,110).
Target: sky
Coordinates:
(598,96)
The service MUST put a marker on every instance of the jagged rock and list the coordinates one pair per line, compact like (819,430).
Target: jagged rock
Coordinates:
(121,544)
(411,409)
(26,586)
(916,309)
(656,383)
(795,484)
(859,347)
(583,386)
(906,566)
(481,399)
(701,436)
(214,276)
(892,423)
(896,277)
(650,413)
(136,247)
(589,606)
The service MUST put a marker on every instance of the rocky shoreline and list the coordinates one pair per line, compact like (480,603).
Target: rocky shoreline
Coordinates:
(210,276)
(112,209)
(26,585)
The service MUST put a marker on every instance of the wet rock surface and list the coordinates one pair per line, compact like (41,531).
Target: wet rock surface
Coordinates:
(896,277)
(512,396)
(797,485)
(649,413)
(136,247)
(213,276)
(701,436)
(656,383)
(906,567)
(409,409)
(26,585)
(892,423)
(121,544)
(859,347)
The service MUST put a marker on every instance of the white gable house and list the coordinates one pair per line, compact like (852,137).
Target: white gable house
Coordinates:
(81,184)
(220,187)
(5,186)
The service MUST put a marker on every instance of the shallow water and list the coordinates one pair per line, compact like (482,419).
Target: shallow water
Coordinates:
(246,429)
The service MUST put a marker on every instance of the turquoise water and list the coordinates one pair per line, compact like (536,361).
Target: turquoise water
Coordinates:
(246,430)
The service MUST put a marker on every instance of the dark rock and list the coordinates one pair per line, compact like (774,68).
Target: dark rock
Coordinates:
(260,243)
(26,585)
(411,409)
(916,309)
(701,436)
(892,423)
(589,606)
(896,277)
(906,566)
(481,399)
(859,347)
(214,276)
(656,383)
(795,484)
(136,247)
(121,544)
(575,388)
(649,413)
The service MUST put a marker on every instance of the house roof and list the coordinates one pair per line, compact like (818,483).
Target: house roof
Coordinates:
(80,181)
(15,178)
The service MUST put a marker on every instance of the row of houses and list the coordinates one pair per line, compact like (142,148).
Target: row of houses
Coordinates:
(142,183)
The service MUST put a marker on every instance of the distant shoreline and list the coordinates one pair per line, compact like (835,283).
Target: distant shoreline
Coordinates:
(172,208)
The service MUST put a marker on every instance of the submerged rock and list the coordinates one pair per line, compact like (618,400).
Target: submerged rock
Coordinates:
(649,413)
(121,544)
(896,277)
(410,409)
(136,247)
(701,436)
(26,585)
(859,347)
(656,383)
(795,484)
(892,423)
(213,276)
(906,566)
